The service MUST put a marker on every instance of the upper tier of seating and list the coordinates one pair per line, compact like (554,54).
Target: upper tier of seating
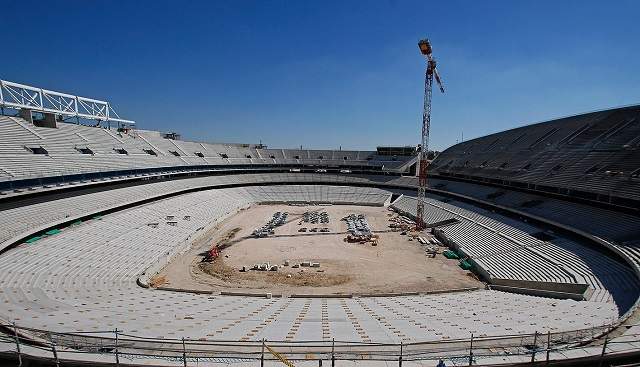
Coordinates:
(28,151)
(594,156)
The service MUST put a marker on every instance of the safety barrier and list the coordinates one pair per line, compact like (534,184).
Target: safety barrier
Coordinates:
(117,346)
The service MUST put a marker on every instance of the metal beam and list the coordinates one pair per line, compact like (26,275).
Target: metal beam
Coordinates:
(15,95)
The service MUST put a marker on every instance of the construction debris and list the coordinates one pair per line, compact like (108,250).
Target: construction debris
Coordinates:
(269,267)
(400,223)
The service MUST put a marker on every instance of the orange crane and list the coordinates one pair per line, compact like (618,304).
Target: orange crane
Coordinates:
(430,74)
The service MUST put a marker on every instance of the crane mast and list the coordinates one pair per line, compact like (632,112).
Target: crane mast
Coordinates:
(430,74)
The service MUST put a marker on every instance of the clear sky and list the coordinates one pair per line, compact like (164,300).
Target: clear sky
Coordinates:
(325,74)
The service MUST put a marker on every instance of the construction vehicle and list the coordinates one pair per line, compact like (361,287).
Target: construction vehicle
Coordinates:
(212,254)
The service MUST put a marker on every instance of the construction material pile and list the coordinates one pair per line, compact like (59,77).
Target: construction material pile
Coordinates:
(274,267)
(278,219)
(401,223)
(429,244)
(261,267)
(357,225)
(315,217)
(359,230)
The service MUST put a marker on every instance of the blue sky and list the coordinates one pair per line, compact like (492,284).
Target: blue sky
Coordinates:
(325,74)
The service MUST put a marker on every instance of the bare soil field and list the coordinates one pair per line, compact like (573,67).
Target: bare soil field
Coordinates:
(395,265)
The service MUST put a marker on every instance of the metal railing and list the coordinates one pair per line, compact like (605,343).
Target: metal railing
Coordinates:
(123,346)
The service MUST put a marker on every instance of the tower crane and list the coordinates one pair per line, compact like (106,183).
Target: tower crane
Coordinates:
(430,74)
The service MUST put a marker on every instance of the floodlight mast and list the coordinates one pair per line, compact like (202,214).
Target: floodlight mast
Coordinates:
(430,74)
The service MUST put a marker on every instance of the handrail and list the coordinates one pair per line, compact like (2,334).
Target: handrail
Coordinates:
(105,342)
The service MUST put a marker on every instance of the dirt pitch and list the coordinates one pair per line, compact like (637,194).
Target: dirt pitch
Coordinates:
(396,265)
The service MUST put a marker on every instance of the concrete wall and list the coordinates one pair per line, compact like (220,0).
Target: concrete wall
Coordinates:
(544,289)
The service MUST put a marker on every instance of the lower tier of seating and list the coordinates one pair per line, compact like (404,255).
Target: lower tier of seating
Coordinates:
(84,278)
(506,249)
(31,216)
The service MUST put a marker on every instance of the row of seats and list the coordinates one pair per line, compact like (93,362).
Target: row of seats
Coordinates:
(84,279)
(597,152)
(28,218)
(622,230)
(505,248)
(30,151)
(502,237)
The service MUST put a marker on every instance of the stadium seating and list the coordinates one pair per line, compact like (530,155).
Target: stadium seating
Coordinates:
(82,275)
(18,220)
(70,149)
(594,155)
(506,249)
(83,278)
(620,230)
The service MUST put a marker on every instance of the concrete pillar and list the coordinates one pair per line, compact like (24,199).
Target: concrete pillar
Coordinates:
(25,113)
(49,120)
